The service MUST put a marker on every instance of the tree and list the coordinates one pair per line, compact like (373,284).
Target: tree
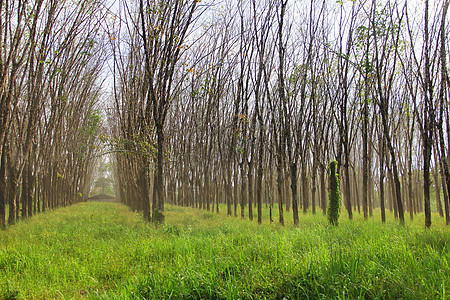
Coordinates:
(442,104)
(164,26)
(285,134)
(42,110)
(386,44)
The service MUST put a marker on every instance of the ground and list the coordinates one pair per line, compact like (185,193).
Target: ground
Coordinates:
(104,250)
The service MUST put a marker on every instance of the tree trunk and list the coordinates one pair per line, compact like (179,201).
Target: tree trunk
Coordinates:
(436,184)
(283,115)
(293,169)
(227,187)
(235,190)
(394,203)
(12,191)
(365,159)
(393,161)
(24,196)
(446,194)
(207,193)
(3,190)
(305,188)
(347,186)
(427,130)
(280,190)
(426,185)
(287,195)
(323,192)
(250,187)
(313,190)
(158,211)
(382,172)
(259,172)
(356,191)
(244,191)
(410,179)
(371,191)
(445,174)
(270,187)
(143,189)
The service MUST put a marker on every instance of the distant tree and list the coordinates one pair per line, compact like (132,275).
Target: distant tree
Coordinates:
(104,185)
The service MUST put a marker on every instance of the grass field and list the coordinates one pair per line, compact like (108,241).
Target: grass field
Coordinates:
(103,250)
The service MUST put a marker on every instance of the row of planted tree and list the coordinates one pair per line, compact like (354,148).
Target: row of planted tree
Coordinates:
(242,103)
(51,59)
(245,102)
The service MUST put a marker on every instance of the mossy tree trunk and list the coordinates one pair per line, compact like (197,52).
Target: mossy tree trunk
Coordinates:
(334,196)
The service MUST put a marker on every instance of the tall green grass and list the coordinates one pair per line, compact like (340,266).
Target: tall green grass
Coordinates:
(103,250)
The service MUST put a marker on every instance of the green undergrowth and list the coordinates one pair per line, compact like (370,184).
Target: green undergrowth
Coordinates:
(106,251)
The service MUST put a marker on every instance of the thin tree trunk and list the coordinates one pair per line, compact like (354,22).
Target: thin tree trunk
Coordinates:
(293,169)
(259,174)
(287,195)
(207,193)
(313,190)
(158,210)
(446,194)
(280,189)
(3,190)
(235,190)
(323,191)
(410,177)
(305,188)
(250,186)
(244,191)
(12,191)
(445,174)
(382,172)
(143,188)
(24,197)
(427,130)
(347,182)
(393,161)
(436,184)
(370,192)
(365,156)
(259,177)
(283,115)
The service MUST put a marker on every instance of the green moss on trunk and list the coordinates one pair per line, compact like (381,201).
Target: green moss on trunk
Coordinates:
(334,197)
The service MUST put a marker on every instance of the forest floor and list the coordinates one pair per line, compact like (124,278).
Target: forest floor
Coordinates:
(104,250)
